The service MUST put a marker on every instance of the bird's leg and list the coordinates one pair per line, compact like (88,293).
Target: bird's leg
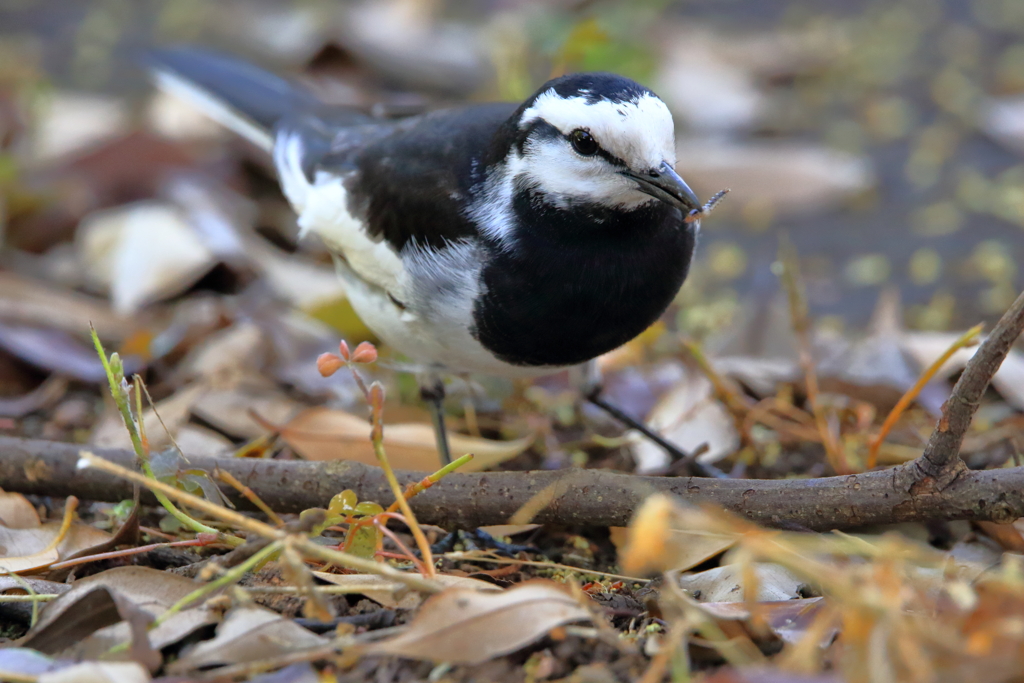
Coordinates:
(594,397)
(432,391)
(592,389)
(677,454)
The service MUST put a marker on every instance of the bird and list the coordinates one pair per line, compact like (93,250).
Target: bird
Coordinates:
(511,239)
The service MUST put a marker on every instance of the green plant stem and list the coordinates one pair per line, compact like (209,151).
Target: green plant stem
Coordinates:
(232,575)
(34,597)
(121,401)
(403,504)
(430,480)
(240,521)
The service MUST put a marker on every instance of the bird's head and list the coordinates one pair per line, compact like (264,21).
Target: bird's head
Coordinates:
(599,139)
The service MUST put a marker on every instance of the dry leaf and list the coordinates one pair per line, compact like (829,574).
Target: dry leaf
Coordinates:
(294,279)
(712,94)
(656,541)
(148,590)
(53,350)
(200,442)
(25,550)
(927,347)
(98,672)
(725,584)
(16,512)
(412,48)
(43,397)
(174,411)
(394,595)
(327,434)
(231,410)
(248,634)
(16,586)
(690,416)
(33,302)
(69,121)
(465,626)
(787,619)
(226,357)
(20,660)
(143,252)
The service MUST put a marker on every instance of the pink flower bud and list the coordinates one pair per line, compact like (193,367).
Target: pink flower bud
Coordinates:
(377,396)
(365,353)
(343,350)
(328,364)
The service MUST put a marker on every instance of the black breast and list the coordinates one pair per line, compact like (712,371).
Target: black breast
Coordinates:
(580,282)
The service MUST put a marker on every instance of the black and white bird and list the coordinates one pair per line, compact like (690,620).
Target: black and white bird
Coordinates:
(506,239)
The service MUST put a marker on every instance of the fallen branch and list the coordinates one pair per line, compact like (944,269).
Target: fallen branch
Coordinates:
(936,486)
(940,464)
(584,498)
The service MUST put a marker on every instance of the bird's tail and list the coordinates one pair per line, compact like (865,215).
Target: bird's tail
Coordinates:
(238,95)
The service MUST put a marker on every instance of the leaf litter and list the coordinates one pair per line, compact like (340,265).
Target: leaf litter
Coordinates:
(192,270)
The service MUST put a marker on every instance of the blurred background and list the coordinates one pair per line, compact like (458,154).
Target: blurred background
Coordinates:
(883,138)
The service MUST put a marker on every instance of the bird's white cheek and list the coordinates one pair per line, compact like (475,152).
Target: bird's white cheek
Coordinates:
(563,175)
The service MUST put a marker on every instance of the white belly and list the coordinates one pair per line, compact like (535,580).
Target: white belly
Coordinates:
(437,288)
(423,340)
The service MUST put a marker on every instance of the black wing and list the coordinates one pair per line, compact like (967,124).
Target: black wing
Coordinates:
(408,181)
(415,183)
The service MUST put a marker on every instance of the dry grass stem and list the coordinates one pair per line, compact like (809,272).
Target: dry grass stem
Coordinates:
(969,338)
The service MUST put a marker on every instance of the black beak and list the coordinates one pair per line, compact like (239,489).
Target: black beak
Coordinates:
(665,184)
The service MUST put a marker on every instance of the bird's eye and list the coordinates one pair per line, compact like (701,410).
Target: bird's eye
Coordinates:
(583,142)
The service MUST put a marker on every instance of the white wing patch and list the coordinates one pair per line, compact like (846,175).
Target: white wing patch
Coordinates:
(322,207)
(492,209)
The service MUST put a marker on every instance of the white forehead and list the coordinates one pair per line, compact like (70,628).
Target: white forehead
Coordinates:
(640,131)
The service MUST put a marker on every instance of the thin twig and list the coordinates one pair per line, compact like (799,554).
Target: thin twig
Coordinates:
(967,339)
(940,464)
(230,480)
(801,327)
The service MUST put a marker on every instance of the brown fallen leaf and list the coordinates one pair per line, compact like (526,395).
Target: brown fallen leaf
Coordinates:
(231,410)
(394,595)
(98,672)
(42,397)
(173,412)
(53,350)
(247,634)
(926,347)
(725,583)
(691,416)
(327,434)
(34,302)
(142,253)
(66,626)
(466,626)
(656,540)
(787,619)
(16,512)
(27,550)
